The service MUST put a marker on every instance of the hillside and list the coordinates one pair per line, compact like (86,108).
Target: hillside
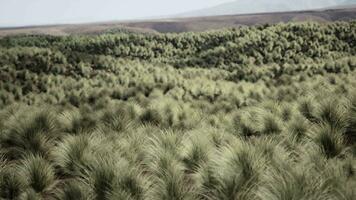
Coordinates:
(227,21)
(266,6)
(188,24)
(262,112)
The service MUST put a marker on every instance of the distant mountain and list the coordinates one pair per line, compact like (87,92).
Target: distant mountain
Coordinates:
(265,6)
(188,24)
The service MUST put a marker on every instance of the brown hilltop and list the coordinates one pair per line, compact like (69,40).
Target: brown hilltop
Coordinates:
(188,24)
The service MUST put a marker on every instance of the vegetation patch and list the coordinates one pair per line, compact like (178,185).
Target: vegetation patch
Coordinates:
(260,112)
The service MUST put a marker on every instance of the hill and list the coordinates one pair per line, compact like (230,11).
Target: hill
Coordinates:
(263,6)
(227,21)
(189,24)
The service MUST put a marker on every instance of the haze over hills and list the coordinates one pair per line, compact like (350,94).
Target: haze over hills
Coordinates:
(338,10)
(263,6)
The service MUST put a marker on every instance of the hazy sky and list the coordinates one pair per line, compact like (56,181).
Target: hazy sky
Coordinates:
(32,12)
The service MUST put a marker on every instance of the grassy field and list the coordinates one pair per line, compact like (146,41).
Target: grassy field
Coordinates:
(264,112)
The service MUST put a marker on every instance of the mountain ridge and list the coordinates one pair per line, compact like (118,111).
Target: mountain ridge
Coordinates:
(189,24)
(264,6)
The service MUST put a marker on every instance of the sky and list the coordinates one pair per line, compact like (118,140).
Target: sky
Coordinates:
(38,12)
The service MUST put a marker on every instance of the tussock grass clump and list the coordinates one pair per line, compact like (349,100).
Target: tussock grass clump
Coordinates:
(74,121)
(309,175)
(116,120)
(271,125)
(74,190)
(272,149)
(196,150)
(103,179)
(168,172)
(307,108)
(115,180)
(350,132)
(246,124)
(32,132)
(12,184)
(337,177)
(290,183)
(286,112)
(133,146)
(151,116)
(235,171)
(31,194)
(329,139)
(38,173)
(71,155)
(169,181)
(333,112)
(257,122)
(349,166)
(298,128)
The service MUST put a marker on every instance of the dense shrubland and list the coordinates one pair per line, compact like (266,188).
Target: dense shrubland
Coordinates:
(264,112)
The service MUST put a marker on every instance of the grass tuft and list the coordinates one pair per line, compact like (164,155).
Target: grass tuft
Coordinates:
(307,108)
(298,128)
(330,140)
(12,184)
(237,168)
(29,133)
(196,150)
(333,112)
(38,173)
(271,125)
(71,155)
(168,173)
(110,179)
(74,190)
